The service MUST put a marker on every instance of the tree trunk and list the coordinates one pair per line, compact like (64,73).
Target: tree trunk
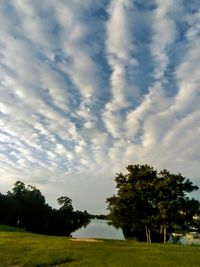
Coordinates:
(146,231)
(164,233)
(149,234)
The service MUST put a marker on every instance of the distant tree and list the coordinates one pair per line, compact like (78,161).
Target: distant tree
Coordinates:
(65,203)
(148,201)
(18,189)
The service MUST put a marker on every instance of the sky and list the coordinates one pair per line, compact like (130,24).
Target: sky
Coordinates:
(88,87)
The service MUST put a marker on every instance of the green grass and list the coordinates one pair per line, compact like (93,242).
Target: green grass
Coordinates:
(26,249)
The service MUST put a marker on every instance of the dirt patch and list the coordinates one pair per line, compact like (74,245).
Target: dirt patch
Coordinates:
(85,240)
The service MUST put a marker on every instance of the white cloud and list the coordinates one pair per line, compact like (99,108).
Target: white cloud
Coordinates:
(120,54)
(84,92)
(120,49)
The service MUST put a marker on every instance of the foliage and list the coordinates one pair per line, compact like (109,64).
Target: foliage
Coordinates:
(25,207)
(150,202)
(99,216)
(25,249)
(65,203)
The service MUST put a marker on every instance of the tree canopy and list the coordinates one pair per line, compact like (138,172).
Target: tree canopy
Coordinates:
(148,203)
(25,207)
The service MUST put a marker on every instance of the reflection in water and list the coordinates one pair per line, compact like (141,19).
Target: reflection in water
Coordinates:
(99,229)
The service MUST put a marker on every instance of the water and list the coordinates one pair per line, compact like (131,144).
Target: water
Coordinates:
(99,229)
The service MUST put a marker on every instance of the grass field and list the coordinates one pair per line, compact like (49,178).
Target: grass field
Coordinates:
(19,248)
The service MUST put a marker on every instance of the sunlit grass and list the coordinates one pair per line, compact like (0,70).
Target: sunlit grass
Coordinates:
(26,249)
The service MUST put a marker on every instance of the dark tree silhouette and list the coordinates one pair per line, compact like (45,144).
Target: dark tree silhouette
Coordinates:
(25,207)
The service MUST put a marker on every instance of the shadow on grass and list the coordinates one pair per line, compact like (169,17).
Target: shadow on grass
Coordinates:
(55,262)
(6,228)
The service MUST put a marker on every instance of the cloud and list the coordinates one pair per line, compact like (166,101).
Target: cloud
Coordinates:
(164,34)
(120,55)
(88,87)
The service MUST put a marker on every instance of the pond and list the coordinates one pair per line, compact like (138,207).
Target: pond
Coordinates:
(99,229)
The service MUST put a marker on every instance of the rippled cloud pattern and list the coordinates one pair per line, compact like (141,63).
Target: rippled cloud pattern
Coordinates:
(88,87)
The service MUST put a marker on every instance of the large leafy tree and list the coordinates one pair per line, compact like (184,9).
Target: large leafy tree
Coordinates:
(174,207)
(31,206)
(148,201)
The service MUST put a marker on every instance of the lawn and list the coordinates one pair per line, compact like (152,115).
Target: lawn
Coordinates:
(19,248)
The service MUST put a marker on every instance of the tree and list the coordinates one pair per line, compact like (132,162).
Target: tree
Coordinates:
(18,189)
(150,202)
(31,205)
(25,207)
(9,210)
(132,207)
(65,203)
(171,201)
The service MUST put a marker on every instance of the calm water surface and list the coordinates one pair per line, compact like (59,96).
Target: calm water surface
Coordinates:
(99,229)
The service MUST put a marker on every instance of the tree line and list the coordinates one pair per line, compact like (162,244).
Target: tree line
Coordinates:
(149,205)
(25,207)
